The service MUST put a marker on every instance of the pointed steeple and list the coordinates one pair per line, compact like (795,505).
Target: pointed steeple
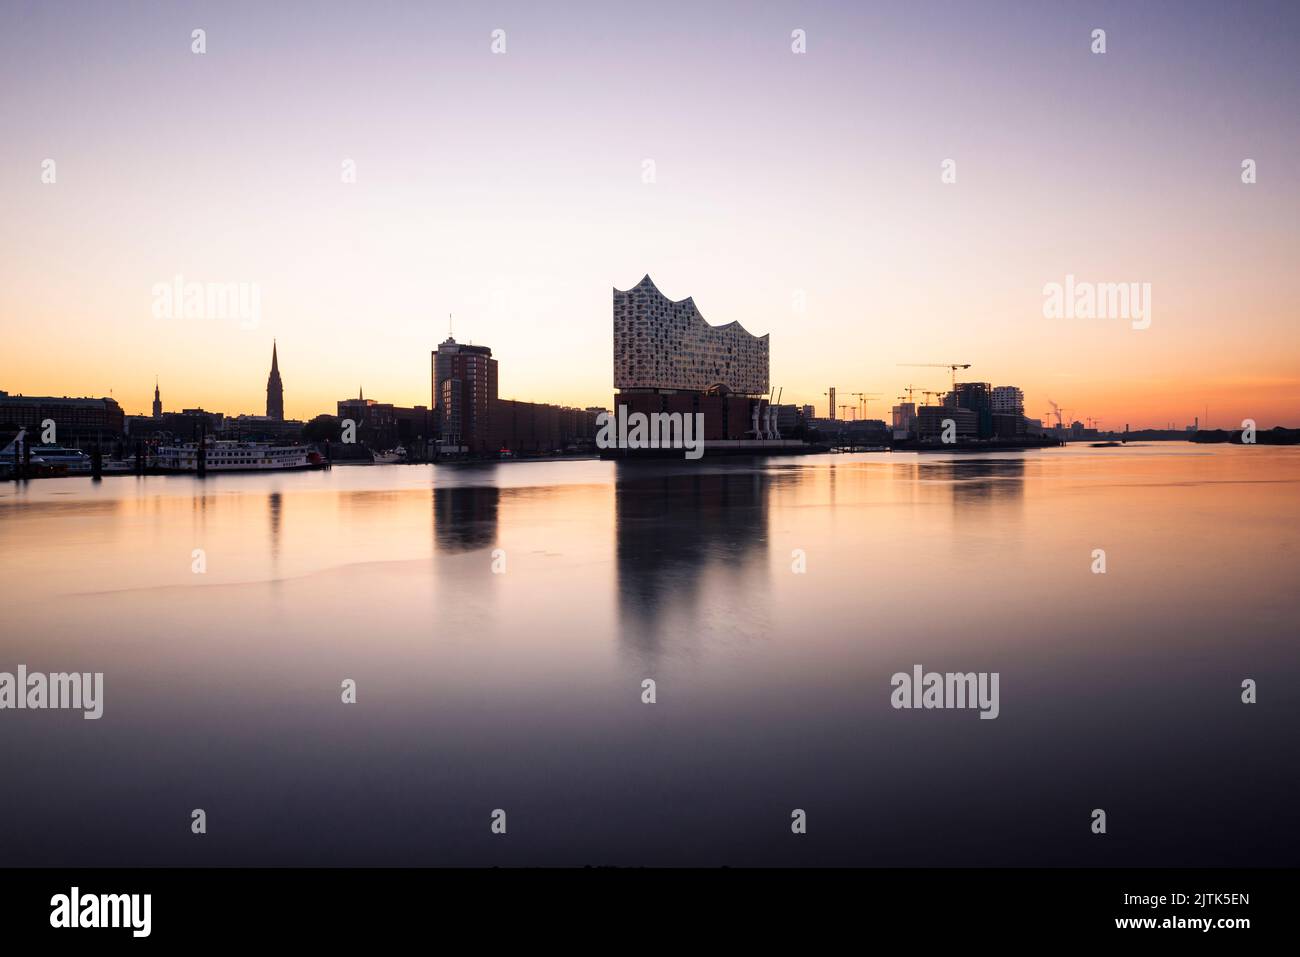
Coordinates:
(274,388)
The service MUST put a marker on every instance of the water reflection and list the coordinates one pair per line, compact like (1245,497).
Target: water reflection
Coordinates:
(684,532)
(274,504)
(773,686)
(465,516)
(981,481)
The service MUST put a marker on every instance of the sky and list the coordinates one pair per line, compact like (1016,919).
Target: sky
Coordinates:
(801,194)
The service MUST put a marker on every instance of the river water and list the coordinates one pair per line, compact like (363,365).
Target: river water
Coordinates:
(499,622)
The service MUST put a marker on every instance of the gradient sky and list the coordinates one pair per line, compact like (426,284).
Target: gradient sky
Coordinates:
(507,189)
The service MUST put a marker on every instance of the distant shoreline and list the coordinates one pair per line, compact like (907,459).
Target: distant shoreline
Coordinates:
(1270,439)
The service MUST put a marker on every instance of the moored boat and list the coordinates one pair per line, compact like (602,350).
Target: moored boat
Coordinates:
(230,456)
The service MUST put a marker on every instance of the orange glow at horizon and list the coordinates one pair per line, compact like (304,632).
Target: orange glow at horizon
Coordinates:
(516,202)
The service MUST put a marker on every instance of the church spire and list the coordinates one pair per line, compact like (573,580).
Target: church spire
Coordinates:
(274,388)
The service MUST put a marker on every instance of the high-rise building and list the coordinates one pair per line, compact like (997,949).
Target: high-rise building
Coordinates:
(831,393)
(274,389)
(662,344)
(464,389)
(157,401)
(976,396)
(1008,400)
(668,359)
(903,415)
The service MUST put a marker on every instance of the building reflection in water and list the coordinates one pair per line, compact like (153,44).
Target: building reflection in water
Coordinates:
(691,549)
(275,505)
(465,516)
(977,481)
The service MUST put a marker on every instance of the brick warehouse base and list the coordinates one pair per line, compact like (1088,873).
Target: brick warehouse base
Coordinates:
(725,416)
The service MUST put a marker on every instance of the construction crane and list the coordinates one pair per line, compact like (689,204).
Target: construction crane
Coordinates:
(927,393)
(952,367)
(909,389)
(864,398)
(844,406)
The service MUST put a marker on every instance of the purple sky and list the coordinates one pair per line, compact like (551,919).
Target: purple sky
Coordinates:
(509,190)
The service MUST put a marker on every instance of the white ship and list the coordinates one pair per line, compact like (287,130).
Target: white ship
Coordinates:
(44,459)
(74,459)
(231,456)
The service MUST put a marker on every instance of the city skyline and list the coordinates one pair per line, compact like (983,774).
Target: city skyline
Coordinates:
(853,439)
(800,194)
(881,410)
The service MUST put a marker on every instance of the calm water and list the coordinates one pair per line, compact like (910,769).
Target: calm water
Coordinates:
(522,690)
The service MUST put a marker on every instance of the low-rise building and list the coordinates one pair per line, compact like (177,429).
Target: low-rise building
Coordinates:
(188,425)
(382,425)
(536,428)
(77,421)
(262,427)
